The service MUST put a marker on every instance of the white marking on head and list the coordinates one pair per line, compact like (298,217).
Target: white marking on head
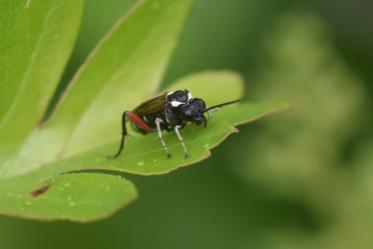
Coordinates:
(175,103)
(190,96)
(169,93)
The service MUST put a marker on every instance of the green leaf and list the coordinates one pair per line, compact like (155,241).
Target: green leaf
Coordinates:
(124,70)
(145,155)
(79,197)
(37,38)
(127,66)
(136,51)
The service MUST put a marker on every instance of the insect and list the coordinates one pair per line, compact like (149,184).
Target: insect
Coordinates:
(170,111)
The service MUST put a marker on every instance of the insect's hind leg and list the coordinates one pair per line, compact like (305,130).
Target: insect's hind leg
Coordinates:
(133,117)
(124,133)
(158,122)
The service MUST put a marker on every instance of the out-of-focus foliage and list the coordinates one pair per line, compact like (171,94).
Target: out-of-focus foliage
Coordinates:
(300,155)
(300,64)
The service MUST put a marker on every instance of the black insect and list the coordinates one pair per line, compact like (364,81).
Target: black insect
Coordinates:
(171,112)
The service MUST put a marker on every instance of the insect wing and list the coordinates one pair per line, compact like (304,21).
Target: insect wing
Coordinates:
(151,106)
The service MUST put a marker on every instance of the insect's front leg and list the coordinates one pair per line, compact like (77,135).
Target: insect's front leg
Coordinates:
(212,111)
(181,140)
(204,121)
(158,122)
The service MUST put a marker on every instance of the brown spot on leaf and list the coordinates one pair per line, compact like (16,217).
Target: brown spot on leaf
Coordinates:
(38,192)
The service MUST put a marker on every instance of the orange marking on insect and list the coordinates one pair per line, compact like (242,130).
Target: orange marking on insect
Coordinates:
(137,120)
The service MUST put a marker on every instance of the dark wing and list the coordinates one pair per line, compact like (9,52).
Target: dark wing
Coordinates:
(151,106)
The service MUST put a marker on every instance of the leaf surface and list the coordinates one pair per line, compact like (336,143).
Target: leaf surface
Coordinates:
(37,38)
(126,66)
(143,155)
(78,197)
(58,172)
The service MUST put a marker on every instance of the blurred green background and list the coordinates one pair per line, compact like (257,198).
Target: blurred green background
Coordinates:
(301,179)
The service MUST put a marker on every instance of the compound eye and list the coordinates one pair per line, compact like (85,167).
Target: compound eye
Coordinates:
(199,103)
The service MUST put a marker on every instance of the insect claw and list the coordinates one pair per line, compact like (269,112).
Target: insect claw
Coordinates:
(186,156)
(169,156)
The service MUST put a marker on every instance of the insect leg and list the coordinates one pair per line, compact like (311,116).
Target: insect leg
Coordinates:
(158,122)
(177,128)
(124,133)
(204,121)
(211,111)
(138,121)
